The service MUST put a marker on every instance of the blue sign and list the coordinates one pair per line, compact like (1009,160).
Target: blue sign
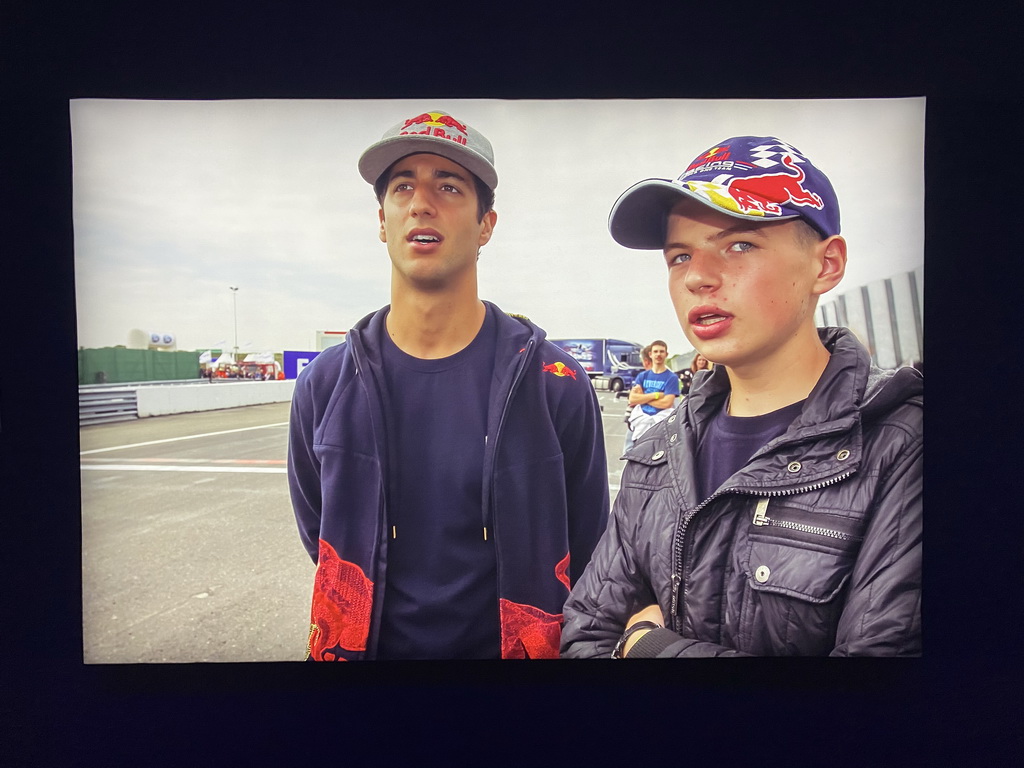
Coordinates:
(295,362)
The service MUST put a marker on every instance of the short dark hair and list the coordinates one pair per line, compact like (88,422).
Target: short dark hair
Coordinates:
(657,342)
(484,194)
(806,234)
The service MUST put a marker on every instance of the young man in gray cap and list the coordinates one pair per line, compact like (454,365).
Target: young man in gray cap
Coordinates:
(778,510)
(446,463)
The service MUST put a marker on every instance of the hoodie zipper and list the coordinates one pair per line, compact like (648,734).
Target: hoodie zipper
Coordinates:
(379,582)
(492,536)
(679,539)
(497,432)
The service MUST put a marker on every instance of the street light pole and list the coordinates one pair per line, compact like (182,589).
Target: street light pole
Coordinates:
(234,302)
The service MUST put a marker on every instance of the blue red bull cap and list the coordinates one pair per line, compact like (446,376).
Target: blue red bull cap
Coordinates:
(759,178)
(436,133)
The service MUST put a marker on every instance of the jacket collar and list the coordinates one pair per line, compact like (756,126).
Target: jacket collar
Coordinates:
(849,391)
(847,381)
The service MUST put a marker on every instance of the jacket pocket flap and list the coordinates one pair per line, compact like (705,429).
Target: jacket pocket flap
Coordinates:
(809,575)
(647,454)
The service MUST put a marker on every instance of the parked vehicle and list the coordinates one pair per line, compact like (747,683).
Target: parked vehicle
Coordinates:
(611,364)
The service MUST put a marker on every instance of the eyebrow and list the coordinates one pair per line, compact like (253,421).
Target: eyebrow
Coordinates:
(406,173)
(753,228)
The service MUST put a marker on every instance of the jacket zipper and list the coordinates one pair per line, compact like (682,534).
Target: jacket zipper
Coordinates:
(493,535)
(497,432)
(378,590)
(760,518)
(678,544)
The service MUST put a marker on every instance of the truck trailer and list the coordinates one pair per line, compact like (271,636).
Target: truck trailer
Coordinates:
(611,364)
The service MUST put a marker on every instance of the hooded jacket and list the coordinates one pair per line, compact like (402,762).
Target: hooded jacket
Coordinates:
(545,487)
(812,548)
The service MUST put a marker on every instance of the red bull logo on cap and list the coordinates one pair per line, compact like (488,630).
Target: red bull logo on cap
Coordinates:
(716,158)
(760,195)
(436,123)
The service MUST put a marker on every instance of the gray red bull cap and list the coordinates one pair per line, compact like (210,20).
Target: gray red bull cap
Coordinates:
(436,133)
(759,178)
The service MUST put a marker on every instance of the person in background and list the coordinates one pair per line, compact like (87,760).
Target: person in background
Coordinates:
(699,363)
(653,394)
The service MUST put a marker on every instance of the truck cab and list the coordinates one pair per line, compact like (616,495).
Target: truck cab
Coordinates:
(611,364)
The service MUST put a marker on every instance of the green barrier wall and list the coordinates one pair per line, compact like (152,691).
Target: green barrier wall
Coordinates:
(114,365)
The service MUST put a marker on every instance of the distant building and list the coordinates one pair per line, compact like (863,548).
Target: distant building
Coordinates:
(886,315)
(325,339)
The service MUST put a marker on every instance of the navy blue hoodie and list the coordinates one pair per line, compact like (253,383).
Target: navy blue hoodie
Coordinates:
(545,486)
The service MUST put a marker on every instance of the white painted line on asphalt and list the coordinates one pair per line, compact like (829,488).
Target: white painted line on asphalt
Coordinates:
(179,468)
(183,437)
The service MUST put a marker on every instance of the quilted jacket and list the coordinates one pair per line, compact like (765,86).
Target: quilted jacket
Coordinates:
(812,548)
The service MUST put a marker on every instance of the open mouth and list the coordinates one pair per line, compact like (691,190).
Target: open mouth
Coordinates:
(424,237)
(709,322)
(709,319)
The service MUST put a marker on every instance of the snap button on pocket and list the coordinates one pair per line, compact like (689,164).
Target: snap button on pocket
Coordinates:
(843,455)
(762,573)
(657,456)
(794,466)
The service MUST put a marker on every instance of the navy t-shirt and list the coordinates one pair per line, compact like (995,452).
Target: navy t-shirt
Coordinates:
(730,441)
(441,592)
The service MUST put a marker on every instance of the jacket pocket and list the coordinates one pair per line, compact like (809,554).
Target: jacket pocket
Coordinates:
(777,568)
(795,574)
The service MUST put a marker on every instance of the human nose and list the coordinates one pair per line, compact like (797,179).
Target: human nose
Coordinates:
(422,202)
(702,273)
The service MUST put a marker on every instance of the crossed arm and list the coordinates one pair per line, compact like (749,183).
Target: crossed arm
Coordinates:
(656,399)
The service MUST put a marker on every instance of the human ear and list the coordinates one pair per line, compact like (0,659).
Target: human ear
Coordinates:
(382,234)
(831,256)
(487,226)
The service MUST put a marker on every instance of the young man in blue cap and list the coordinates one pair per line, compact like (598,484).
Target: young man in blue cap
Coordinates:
(778,510)
(446,463)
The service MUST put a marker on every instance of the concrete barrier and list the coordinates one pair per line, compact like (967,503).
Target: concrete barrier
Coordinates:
(204,396)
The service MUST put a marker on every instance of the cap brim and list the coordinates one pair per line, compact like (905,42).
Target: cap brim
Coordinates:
(637,219)
(378,158)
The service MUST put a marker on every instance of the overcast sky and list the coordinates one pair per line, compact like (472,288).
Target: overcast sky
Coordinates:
(175,201)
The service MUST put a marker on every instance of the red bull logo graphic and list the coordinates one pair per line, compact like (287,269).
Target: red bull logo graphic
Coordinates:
(528,632)
(763,194)
(436,123)
(342,600)
(713,155)
(559,369)
(562,571)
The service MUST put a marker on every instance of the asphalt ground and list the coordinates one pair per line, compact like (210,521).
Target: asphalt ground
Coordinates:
(189,548)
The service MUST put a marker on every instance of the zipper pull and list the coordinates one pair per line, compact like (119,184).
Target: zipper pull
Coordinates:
(760,518)
(674,607)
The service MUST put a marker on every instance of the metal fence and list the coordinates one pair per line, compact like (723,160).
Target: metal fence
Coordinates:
(102,404)
(106,403)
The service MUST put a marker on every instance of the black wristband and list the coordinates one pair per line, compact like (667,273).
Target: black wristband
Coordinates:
(617,650)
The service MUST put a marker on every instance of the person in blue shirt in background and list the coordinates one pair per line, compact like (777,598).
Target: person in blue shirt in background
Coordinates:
(653,395)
